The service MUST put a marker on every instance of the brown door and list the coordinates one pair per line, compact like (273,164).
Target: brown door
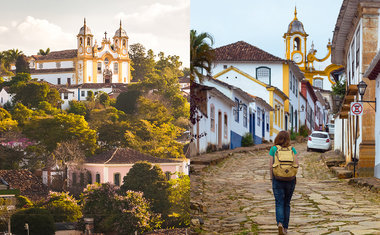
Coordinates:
(220,125)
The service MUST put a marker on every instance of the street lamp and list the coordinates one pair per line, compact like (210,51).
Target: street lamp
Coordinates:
(362,86)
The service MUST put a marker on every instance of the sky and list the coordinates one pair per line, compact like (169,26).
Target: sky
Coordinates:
(263,23)
(160,25)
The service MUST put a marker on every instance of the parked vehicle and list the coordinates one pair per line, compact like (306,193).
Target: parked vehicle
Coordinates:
(319,140)
(331,128)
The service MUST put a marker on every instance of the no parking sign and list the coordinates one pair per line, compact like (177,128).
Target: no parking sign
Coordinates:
(356,108)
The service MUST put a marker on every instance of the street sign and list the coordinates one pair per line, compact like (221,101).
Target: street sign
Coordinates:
(356,108)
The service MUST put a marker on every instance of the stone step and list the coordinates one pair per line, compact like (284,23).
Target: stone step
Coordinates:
(341,172)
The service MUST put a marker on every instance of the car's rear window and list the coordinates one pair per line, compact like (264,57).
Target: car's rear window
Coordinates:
(319,135)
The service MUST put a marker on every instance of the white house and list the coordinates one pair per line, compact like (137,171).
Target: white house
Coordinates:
(5,96)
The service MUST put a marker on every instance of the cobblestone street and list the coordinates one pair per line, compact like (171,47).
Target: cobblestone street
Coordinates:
(237,198)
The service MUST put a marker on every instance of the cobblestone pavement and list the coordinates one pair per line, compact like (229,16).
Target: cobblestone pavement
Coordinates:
(237,199)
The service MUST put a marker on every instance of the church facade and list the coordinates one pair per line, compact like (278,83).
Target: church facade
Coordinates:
(88,63)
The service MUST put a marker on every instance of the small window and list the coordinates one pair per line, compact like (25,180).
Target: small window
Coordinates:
(212,117)
(40,65)
(80,41)
(68,81)
(117,179)
(1,99)
(106,61)
(89,177)
(245,115)
(81,179)
(225,66)
(236,110)
(88,41)
(318,83)
(263,75)
(99,67)
(124,43)
(225,126)
(116,67)
(58,65)
(65,96)
(82,93)
(167,174)
(97,178)
(59,81)
(74,178)
(297,44)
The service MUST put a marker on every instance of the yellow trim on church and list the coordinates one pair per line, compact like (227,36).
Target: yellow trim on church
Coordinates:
(232,68)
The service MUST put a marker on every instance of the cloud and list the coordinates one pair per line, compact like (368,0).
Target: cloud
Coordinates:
(34,34)
(3,29)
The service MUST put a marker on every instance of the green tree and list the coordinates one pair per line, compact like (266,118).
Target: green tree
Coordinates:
(201,54)
(42,52)
(114,213)
(126,101)
(90,96)
(179,198)
(40,221)
(47,108)
(21,113)
(6,122)
(143,63)
(22,65)
(153,111)
(103,98)
(63,207)
(77,107)
(51,130)
(150,180)
(10,158)
(339,88)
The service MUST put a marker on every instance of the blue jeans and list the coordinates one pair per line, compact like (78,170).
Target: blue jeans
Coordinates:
(283,192)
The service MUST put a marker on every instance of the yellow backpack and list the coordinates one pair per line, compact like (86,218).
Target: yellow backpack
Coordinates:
(284,166)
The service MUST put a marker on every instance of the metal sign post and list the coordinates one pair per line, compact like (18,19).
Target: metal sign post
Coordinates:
(356,110)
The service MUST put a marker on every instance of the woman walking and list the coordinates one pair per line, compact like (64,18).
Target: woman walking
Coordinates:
(283,187)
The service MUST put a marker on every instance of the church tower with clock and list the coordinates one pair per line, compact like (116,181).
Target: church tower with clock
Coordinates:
(316,71)
(295,42)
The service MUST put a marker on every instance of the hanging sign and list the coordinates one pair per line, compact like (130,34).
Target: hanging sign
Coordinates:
(356,108)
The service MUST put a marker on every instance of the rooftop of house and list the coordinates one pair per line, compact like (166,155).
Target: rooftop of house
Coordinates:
(125,156)
(242,51)
(55,55)
(29,184)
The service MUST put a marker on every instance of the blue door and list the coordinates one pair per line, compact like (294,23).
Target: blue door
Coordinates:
(252,124)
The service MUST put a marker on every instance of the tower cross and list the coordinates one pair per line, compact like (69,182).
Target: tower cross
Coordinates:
(105,35)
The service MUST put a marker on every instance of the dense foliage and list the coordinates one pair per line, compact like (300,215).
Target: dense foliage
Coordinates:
(40,221)
(63,207)
(247,140)
(179,197)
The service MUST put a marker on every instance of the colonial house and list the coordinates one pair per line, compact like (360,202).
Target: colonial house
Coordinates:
(354,46)
(373,73)
(263,75)
(88,63)
(302,112)
(5,96)
(112,165)
(310,98)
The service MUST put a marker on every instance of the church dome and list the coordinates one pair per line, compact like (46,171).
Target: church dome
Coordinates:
(84,30)
(120,33)
(296,26)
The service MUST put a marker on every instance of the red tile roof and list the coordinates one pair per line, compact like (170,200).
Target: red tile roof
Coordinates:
(242,51)
(125,156)
(55,55)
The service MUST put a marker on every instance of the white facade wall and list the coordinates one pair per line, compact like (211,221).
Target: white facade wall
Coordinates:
(70,96)
(78,95)
(311,105)
(302,114)
(377,129)
(5,97)
(258,125)
(238,126)
(53,65)
(294,89)
(338,126)
(53,78)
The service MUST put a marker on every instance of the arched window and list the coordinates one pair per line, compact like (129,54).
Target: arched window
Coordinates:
(106,61)
(80,41)
(124,43)
(97,178)
(297,44)
(225,126)
(212,117)
(116,180)
(89,177)
(318,82)
(88,41)
(116,67)
(263,75)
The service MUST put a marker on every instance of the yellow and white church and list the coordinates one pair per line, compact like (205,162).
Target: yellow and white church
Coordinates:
(316,71)
(89,63)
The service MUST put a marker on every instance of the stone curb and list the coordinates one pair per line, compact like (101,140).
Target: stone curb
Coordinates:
(371,182)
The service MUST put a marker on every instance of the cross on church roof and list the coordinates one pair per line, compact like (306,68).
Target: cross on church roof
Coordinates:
(105,35)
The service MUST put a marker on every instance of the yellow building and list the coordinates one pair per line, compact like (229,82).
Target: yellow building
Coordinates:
(316,71)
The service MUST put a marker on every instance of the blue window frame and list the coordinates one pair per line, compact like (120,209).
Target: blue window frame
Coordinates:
(236,111)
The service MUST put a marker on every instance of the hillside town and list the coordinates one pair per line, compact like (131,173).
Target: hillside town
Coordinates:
(89,146)
(244,100)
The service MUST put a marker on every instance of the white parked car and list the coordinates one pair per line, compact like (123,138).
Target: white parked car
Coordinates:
(319,140)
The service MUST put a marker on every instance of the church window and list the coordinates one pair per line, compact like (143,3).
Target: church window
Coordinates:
(106,61)
(318,83)
(117,179)
(212,117)
(40,65)
(124,43)
(99,67)
(82,93)
(297,44)
(58,65)
(65,96)
(80,41)
(88,41)
(97,178)
(263,75)
(116,67)
(59,81)
(68,81)
(357,47)
(225,66)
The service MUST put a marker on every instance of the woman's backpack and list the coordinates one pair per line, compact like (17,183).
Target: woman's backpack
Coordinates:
(284,166)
